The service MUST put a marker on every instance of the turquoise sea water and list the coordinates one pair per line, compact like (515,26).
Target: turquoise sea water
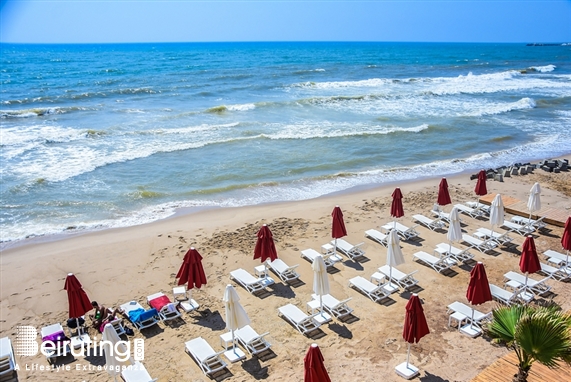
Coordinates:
(98,136)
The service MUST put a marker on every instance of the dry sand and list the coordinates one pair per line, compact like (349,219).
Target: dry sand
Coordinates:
(120,265)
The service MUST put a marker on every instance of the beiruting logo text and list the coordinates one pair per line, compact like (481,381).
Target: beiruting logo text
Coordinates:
(27,346)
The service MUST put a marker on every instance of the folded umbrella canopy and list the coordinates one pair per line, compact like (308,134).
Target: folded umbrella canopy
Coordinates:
(79,303)
(337,226)
(480,188)
(397,210)
(236,318)
(320,279)
(394,255)
(566,237)
(443,194)
(496,212)
(415,327)
(116,352)
(529,261)
(454,233)
(265,248)
(191,270)
(534,200)
(478,292)
(314,368)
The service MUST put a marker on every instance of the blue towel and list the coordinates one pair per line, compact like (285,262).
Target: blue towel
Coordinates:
(148,314)
(135,315)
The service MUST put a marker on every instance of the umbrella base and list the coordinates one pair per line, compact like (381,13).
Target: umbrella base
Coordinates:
(79,341)
(235,355)
(407,371)
(323,318)
(471,330)
(391,287)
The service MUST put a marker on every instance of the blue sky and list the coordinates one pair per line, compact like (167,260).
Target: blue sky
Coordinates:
(86,21)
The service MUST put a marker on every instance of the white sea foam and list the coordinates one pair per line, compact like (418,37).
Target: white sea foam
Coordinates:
(244,107)
(544,69)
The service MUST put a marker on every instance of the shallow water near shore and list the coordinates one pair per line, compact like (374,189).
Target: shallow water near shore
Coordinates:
(101,136)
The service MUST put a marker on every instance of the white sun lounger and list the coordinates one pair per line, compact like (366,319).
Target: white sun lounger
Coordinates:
(7,360)
(536,286)
(301,321)
(508,298)
(183,296)
(377,236)
(472,212)
(144,323)
(515,227)
(403,280)
(208,360)
(561,274)
(403,231)
(539,223)
(481,245)
(461,255)
(62,349)
(498,237)
(479,317)
(168,311)
(137,373)
(480,206)
(250,283)
(438,264)
(284,271)
(118,326)
(253,342)
(333,306)
(350,250)
(374,292)
(557,258)
(329,259)
(428,222)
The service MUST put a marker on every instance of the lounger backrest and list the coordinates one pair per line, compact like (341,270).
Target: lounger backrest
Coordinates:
(200,349)
(243,276)
(345,246)
(278,265)
(310,253)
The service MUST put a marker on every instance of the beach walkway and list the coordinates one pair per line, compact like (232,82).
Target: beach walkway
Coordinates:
(555,216)
(504,369)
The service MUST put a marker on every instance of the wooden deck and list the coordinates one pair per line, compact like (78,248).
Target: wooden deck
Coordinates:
(505,368)
(517,207)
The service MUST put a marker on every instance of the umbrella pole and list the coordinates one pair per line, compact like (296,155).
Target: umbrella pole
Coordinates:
(407,355)
(567,260)
(321,304)
(472,320)
(526,275)
(335,249)
(233,342)
(390,274)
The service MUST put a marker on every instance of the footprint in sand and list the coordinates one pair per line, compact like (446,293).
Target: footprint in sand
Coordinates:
(14,294)
(27,298)
(45,282)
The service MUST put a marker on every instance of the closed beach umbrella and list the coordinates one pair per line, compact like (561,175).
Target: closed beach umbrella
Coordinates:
(394,253)
(480,188)
(397,210)
(191,271)
(265,248)
(566,238)
(115,351)
(529,261)
(478,291)
(496,212)
(236,316)
(415,327)
(320,280)
(314,368)
(454,233)
(534,200)
(443,194)
(79,303)
(337,225)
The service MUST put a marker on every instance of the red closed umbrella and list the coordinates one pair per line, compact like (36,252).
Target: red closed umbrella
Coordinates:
(337,226)
(79,303)
(265,247)
(415,327)
(478,293)
(397,210)
(191,270)
(529,261)
(566,238)
(443,194)
(480,188)
(314,368)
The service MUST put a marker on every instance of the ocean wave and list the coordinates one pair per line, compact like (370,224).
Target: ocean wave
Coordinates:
(224,108)
(322,130)
(543,69)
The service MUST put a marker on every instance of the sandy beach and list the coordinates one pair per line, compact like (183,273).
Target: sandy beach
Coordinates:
(116,266)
